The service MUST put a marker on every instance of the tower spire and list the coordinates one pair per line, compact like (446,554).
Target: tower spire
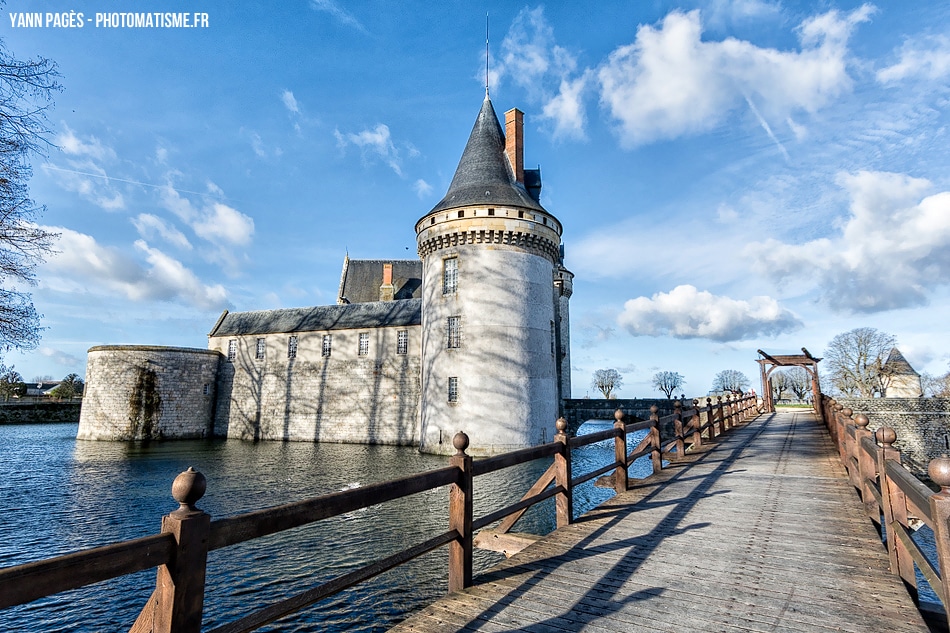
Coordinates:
(486,55)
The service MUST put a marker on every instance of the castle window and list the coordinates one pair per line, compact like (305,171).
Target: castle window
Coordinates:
(461,214)
(520,214)
(364,343)
(292,347)
(454,332)
(450,275)
(553,341)
(491,212)
(326,346)
(232,350)
(545,220)
(402,342)
(453,389)
(207,389)
(261,346)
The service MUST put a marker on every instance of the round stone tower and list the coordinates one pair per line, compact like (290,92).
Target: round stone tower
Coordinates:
(491,331)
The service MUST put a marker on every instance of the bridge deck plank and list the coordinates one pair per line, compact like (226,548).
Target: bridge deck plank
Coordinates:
(758,532)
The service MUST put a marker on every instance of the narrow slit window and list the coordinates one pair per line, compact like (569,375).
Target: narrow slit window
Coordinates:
(326,345)
(364,343)
(453,389)
(261,346)
(454,332)
(450,275)
(292,347)
(402,342)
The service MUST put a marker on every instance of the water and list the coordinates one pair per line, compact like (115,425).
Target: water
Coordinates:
(59,495)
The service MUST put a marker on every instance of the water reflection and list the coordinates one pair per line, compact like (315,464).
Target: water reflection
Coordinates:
(60,495)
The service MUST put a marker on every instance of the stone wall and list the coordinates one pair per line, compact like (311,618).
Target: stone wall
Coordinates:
(141,392)
(343,397)
(39,412)
(922,425)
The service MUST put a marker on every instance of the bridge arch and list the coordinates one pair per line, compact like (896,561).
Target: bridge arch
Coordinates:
(769,363)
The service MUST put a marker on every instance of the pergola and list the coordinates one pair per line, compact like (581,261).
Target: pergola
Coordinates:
(805,359)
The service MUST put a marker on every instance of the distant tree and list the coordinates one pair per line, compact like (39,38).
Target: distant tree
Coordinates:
(855,359)
(26,89)
(69,387)
(668,382)
(43,378)
(730,380)
(799,382)
(779,383)
(935,386)
(11,383)
(607,381)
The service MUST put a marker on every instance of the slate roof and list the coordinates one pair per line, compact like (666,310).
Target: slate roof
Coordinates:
(361,279)
(335,317)
(484,175)
(896,364)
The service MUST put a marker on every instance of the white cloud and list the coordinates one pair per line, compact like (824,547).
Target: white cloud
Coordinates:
(82,263)
(893,249)
(531,58)
(84,173)
(422,188)
(222,224)
(670,82)
(686,312)
(376,142)
(60,357)
(927,58)
(340,14)
(730,11)
(150,226)
(289,101)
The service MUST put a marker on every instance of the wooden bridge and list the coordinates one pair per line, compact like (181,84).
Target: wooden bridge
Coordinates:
(750,522)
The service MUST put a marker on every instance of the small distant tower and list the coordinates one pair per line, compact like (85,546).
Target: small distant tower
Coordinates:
(495,337)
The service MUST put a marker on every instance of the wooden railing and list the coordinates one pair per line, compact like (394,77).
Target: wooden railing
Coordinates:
(188,534)
(894,498)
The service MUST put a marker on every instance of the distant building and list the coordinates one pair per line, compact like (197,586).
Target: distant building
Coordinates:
(474,336)
(900,379)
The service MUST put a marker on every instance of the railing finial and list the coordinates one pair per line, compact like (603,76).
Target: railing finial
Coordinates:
(861,421)
(187,489)
(460,442)
(886,436)
(939,471)
(561,425)
(618,415)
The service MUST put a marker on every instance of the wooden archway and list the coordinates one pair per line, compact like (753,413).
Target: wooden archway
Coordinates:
(805,359)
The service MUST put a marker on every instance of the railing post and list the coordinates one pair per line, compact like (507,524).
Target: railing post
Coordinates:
(710,419)
(939,471)
(678,428)
(564,501)
(656,455)
(620,453)
(866,468)
(844,417)
(697,422)
(178,600)
(895,509)
(460,517)
(722,420)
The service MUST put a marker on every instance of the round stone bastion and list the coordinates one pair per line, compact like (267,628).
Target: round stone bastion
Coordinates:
(148,392)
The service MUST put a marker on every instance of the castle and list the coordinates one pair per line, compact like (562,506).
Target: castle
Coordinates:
(474,335)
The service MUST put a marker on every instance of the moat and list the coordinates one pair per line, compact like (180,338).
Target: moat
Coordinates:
(60,495)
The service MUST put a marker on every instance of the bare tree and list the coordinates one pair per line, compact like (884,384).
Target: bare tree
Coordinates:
(668,382)
(779,383)
(606,381)
(730,380)
(854,361)
(26,89)
(799,382)
(936,386)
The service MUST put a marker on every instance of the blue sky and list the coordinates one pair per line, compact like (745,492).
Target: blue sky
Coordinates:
(731,175)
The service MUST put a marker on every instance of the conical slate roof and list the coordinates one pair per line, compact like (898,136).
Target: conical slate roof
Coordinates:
(484,175)
(896,364)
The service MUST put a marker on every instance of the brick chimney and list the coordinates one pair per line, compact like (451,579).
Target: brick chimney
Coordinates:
(514,142)
(386,290)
